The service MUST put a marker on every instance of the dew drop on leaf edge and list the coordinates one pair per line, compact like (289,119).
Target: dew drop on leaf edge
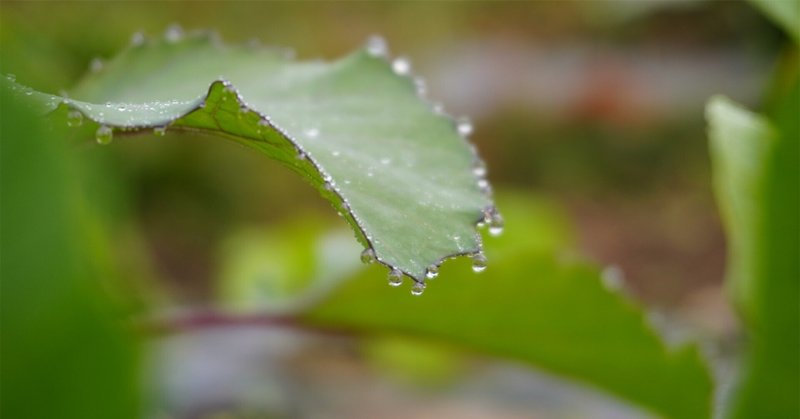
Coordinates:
(417,289)
(401,66)
(74,118)
(479,263)
(395,277)
(376,46)
(432,272)
(104,134)
(368,255)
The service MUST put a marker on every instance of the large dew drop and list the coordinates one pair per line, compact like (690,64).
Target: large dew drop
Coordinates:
(432,272)
(395,277)
(496,224)
(104,135)
(74,118)
(418,289)
(478,263)
(368,255)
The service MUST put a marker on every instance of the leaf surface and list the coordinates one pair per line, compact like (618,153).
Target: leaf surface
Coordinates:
(399,171)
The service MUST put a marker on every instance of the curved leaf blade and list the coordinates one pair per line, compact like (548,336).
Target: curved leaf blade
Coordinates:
(399,172)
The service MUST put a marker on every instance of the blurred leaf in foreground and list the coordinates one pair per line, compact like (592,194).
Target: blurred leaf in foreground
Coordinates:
(64,354)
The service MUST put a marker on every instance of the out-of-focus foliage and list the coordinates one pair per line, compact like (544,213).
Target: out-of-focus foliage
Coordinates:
(756,162)
(66,353)
(532,307)
(785,13)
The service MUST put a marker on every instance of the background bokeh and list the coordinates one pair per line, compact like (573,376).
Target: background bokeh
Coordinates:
(595,108)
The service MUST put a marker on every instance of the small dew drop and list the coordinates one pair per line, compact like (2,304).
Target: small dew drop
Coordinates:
(432,272)
(422,88)
(395,277)
(104,135)
(336,153)
(312,133)
(464,126)
(301,155)
(368,255)
(160,131)
(376,46)
(479,168)
(263,123)
(11,77)
(174,33)
(329,186)
(122,107)
(417,289)
(386,160)
(478,263)
(401,66)
(137,39)
(96,65)
(74,118)
(496,224)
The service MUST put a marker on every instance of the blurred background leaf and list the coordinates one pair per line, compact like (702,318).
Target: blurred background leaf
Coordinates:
(530,307)
(757,182)
(67,351)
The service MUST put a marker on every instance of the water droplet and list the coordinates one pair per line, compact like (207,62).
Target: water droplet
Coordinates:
(301,155)
(11,77)
(422,88)
(479,168)
(263,123)
(464,126)
(376,46)
(96,65)
(395,277)
(386,160)
(160,131)
(329,186)
(368,255)
(122,107)
(137,39)
(74,118)
(478,263)
(417,289)
(613,278)
(336,153)
(401,66)
(174,33)
(104,134)
(496,224)
(432,272)
(312,132)
(438,108)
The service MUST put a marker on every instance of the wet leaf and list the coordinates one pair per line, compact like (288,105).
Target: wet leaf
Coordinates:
(400,172)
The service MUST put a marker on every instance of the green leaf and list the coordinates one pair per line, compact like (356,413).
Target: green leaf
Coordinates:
(530,307)
(396,169)
(64,352)
(755,162)
(785,13)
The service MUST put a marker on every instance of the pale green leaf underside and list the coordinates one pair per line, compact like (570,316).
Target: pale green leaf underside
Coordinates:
(397,171)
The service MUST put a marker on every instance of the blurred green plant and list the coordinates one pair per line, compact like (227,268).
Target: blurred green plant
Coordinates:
(66,350)
(756,179)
